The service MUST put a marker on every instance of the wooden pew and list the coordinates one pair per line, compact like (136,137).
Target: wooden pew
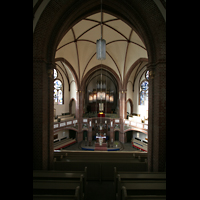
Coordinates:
(68,188)
(61,175)
(76,196)
(63,143)
(131,175)
(141,187)
(140,197)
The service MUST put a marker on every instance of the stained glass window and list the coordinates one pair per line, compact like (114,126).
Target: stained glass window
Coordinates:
(57,84)
(147,75)
(144,85)
(143,95)
(142,98)
(58,93)
(55,96)
(55,74)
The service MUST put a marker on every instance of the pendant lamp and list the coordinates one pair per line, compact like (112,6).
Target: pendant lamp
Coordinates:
(101,49)
(101,44)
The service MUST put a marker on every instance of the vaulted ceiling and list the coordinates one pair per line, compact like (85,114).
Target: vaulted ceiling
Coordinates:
(123,47)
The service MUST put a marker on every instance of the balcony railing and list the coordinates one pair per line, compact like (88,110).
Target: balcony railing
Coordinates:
(128,124)
(68,123)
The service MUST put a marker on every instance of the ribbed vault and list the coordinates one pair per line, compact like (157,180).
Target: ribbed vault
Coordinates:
(123,46)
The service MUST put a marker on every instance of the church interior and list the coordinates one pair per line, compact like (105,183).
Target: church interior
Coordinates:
(99,99)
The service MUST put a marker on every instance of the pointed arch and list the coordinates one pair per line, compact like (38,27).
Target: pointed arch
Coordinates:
(71,69)
(125,82)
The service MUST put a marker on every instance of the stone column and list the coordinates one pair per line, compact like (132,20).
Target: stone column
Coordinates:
(42,114)
(157,117)
(79,112)
(122,103)
(50,72)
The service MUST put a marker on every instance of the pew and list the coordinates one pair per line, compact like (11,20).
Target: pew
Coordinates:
(140,197)
(61,175)
(54,188)
(140,187)
(99,169)
(76,196)
(63,143)
(105,156)
(131,175)
(62,118)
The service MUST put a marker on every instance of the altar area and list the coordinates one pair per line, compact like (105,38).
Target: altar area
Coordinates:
(101,143)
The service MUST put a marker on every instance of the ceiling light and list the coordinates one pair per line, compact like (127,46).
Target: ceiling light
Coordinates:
(101,43)
(101,49)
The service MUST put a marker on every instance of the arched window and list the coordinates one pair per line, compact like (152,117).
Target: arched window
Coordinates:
(144,89)
(55,74)
(58,90)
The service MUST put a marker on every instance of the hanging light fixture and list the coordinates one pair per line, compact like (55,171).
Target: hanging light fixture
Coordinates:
(101,43)
(101,49)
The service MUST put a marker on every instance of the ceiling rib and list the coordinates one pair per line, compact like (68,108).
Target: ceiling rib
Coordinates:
(88,30)
(110,27)
(116,31)
(93,20)
(126,53)
(75,40)
(87,65)
(116,65)
(64,45)
(135,76)
(65,73)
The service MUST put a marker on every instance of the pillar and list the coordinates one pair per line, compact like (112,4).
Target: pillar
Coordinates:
(79,114)
(157,117)
(122,102)
(42,114)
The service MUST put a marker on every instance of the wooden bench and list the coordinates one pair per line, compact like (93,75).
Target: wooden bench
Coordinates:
(140,197)
(140,156)
(58,187)
(76,196)
(132,175)
(101,156)
(140,187)
(99,169)
(63,143)
(61,175)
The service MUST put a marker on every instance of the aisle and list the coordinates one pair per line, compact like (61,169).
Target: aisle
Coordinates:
(97,190)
